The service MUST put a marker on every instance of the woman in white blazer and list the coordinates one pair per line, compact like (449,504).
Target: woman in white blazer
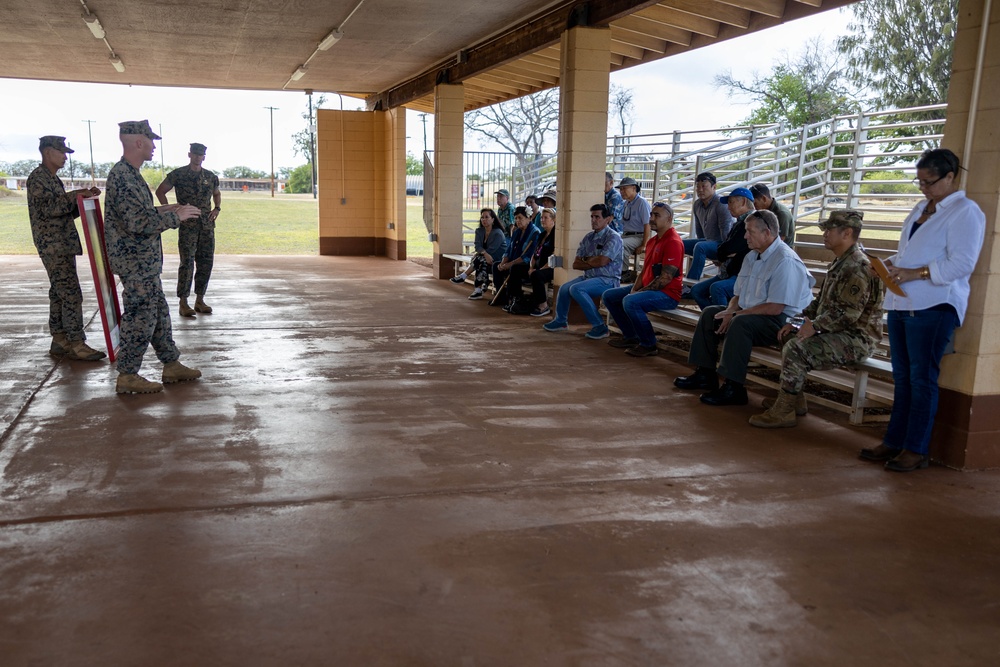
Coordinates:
(938,250)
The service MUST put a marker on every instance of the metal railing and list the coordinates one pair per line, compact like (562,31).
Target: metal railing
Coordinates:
(863,160)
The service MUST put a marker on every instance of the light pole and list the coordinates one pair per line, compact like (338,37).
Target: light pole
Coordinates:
(312,140)
(163,170)
(423,119)
(272,109)
(93,180)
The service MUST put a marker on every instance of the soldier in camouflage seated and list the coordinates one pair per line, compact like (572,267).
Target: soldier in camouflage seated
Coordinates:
(199,187)
(132,230)
(52,210)
(841,326)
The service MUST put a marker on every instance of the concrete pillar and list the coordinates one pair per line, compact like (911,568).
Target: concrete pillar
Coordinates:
(449,147)
(583,136)
(967,427)
(395,195)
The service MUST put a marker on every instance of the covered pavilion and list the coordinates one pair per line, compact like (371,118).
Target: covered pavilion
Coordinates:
(363,479)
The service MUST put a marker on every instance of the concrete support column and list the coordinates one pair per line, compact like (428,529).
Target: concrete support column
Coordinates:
(449,147)
(967,428)
(583,137)
(395,196)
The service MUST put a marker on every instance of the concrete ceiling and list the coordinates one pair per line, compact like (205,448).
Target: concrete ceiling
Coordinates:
(391,49)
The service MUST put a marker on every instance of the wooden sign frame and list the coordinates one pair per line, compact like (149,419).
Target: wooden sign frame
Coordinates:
(104,279)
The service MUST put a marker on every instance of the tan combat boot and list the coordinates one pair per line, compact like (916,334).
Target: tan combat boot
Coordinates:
(60,345)
(186,310)
(201,306)
(801,404)
(175,371)
(131,383)
(779,415)
(79,350)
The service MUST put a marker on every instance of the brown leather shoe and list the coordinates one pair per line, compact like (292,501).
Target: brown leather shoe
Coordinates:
(907,461)
(878,454)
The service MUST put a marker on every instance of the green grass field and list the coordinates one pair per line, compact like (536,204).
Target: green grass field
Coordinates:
(251,224)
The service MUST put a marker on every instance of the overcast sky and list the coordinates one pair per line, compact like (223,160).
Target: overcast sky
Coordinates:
(673,93)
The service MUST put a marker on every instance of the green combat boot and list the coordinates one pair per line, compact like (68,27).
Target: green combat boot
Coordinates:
(60,345)
(80,351)
(801,404)
(779,415)
(131,383)
(175,371)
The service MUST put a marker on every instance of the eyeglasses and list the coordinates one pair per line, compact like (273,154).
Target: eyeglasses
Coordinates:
(920,183)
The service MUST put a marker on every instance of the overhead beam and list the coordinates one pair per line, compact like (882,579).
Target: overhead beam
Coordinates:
(628,50)
(678,19)
(525,38)
(661,32)
(711,9)
(772,8)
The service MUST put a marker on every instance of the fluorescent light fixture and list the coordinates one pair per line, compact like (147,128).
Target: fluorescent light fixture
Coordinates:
(330,40)
(117,62)
(300,72)
(95,26)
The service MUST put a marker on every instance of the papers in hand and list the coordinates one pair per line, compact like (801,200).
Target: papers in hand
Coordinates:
(883,274)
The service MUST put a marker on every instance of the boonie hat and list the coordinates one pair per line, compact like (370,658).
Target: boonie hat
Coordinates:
(548,194)
(628,180)
(198,149)
(58,143)
(737,192)
(137,127)
(843,218)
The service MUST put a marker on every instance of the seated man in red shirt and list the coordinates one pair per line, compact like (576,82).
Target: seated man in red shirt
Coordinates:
(658,288)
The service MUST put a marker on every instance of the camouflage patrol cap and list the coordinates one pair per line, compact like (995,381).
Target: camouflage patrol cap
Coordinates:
(198,149)
(137,127)
(58,143)
(845,218)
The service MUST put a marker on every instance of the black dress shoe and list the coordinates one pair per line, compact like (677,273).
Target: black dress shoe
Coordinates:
(703,378)
(907,461)
(728,394)
(878,454)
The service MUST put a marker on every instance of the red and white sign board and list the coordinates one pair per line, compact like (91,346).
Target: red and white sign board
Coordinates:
(104,280)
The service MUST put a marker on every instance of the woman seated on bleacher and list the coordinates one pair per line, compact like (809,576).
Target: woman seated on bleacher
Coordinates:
(537,270)
(491,244)
(522,246)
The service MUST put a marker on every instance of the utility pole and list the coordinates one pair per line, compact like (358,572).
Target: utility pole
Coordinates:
(272,109)
(423,119)
(93,179)
(163,170)
(312,140)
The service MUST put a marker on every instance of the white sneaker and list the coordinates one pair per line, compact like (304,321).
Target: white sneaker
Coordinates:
(476,294)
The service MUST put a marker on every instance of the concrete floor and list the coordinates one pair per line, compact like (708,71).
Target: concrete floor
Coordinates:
(376,471)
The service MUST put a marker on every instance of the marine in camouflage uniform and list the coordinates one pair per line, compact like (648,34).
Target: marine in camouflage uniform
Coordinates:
(195,238)
(843,323)
(133,226)
(51,210)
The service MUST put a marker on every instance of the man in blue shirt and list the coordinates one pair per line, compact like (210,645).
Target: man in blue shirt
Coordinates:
(635,221)
(600,258)
(613,200)
(773,285)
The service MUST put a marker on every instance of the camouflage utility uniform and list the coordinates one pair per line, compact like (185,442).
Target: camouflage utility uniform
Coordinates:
(52,210)
(196,237)
(132,233)
(848,312)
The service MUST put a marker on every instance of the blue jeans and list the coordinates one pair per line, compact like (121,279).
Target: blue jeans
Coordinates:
(700,250)
(629,311)
(583,291)
(917,339)
(715,291)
